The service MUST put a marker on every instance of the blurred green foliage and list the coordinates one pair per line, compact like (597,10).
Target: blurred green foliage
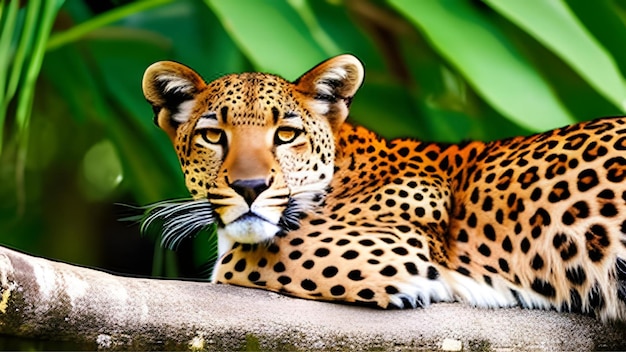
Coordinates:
(77,136)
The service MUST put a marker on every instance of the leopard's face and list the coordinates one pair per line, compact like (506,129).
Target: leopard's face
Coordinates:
(256,153)
(260,149)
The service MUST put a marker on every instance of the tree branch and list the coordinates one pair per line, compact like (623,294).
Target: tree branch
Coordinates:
(49,300)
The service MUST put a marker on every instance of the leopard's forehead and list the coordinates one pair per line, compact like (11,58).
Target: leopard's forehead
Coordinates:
(249,98)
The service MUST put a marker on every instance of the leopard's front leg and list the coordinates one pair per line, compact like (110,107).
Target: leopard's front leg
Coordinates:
(370,264)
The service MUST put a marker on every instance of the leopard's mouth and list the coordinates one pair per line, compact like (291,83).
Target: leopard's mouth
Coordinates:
(250,228)
(251,216)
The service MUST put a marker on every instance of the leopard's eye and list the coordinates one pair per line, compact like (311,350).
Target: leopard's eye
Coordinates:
(212,135)
(286,135)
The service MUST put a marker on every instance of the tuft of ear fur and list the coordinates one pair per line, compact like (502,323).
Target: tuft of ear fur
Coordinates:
(171,88)
(331,85)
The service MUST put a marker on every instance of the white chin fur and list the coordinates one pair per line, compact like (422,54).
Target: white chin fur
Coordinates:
(251,230)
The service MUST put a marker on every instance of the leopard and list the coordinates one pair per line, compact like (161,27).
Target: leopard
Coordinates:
(309,205)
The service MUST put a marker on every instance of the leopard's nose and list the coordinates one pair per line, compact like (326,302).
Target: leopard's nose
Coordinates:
(249,189)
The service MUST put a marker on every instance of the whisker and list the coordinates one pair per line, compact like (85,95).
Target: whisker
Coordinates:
(174,220)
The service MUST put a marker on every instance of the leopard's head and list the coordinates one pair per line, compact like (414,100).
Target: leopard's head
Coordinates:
(260,149)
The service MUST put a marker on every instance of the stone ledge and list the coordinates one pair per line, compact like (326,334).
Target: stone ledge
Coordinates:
(96,310)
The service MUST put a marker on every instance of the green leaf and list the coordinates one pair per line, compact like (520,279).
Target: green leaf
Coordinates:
(77,32)
(271,34)
(604,20)
(489,62)
(553,24)
(335,21)
(190,33)
(303,8)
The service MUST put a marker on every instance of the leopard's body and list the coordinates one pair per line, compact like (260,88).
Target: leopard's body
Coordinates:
(311,206)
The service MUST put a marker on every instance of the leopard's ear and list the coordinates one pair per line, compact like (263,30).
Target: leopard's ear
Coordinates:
(171,89)
(331,85)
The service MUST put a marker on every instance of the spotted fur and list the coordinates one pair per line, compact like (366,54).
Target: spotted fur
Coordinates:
(314,207)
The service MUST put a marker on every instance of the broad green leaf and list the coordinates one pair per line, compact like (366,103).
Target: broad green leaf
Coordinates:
(271,34)
(337,23)
(303,8)
(553,24)
(190,33)
(491,65)
(604,20)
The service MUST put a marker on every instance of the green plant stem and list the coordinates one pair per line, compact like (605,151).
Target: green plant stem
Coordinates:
(27,93)
(6,37)
(24,47)
(75,33)
(20,167)
(34,66)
